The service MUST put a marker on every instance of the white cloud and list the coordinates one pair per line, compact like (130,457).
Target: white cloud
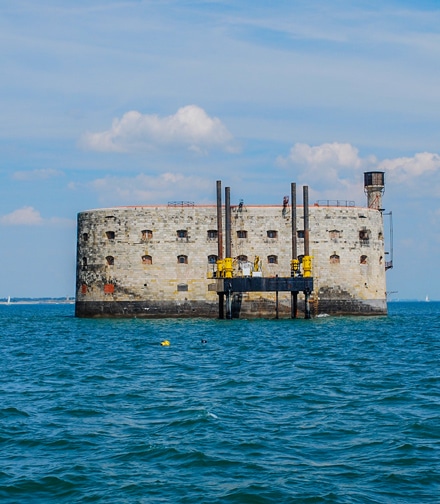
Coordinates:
(41,174)
(406,169)
(26,216)
(335,168)
(146,189)
(336,158)
(190,127)
(328,154)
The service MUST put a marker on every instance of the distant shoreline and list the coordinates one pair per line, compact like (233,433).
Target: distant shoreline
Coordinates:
(36,301)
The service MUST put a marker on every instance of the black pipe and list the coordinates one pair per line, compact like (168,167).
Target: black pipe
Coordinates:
(219,221)
(294,295)
(228,245)
(228,221)
(306,219)
(221,296)
(306,245)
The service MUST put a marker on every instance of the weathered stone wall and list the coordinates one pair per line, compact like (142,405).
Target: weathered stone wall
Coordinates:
(154,261)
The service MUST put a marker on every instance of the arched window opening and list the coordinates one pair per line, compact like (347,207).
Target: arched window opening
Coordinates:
(146,234)
(334,234)
(182,287)
(147,259)
(364,259)
(300,233)
(242,258)
(212,234)
(272,259)
(84,263)
(242,233)
(272,234)
(85,237)
(335,259)
(110,260)
(182,233)
(182,259)
(212,259)
(110,235)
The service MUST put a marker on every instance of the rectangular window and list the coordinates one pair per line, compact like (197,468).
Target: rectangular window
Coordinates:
(212,259)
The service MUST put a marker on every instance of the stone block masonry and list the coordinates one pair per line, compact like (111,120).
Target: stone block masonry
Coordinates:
(159,261)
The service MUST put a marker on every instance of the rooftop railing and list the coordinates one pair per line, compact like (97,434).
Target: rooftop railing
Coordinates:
(336,203)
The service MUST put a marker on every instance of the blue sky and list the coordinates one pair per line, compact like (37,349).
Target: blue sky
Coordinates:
(120,102)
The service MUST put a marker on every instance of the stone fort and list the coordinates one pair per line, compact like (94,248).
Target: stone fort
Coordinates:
(157,261)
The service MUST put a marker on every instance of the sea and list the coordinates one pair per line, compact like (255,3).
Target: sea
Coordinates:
(328,410)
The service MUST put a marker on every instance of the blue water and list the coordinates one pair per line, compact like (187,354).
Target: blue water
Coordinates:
(343,410)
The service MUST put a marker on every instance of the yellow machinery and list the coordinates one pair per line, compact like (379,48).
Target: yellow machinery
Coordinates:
(307,266)
(294,267)
(228,268)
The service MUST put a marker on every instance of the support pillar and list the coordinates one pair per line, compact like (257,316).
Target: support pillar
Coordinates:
(228,247)
(306,245)
(294,295)
(221,296)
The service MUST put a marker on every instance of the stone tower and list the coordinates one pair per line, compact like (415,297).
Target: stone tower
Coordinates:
(374,187)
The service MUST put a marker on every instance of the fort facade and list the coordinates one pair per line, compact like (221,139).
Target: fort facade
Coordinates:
(161,261)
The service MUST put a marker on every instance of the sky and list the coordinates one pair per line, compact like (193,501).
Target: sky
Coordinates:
(129,102)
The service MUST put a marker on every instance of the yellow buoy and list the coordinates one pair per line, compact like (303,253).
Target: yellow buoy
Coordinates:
(165,343)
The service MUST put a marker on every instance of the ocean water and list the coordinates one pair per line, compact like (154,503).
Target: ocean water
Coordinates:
(341,410)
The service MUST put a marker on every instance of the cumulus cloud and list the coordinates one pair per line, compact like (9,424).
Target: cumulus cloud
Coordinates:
(148,189)
(26,216)
(328,154)
(190,127)
(333,169)
(406,169)
(41,174)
